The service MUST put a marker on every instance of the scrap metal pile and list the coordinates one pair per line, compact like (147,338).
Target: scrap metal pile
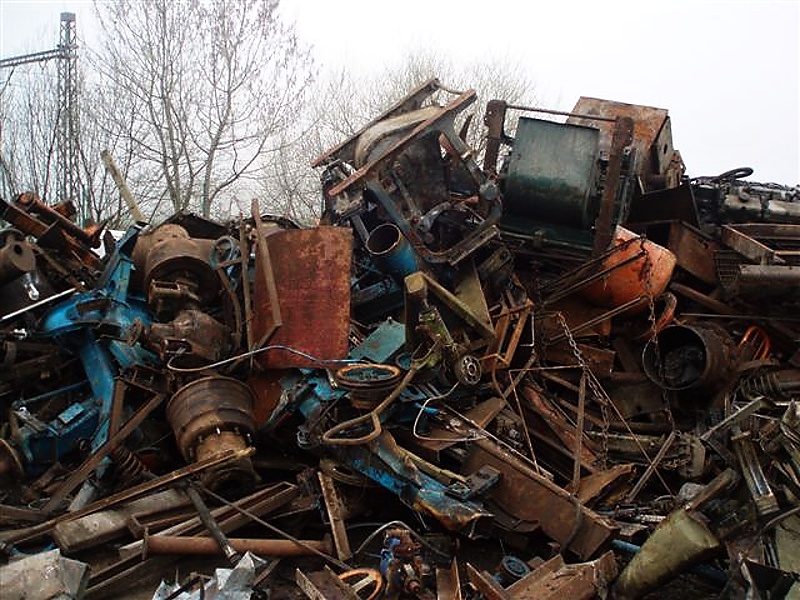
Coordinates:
(569,371)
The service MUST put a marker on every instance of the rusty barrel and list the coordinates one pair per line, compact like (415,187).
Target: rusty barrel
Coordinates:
(683,357)
(210,416)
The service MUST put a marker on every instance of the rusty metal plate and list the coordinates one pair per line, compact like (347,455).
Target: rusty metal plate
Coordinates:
(554,579)
(528,496)
(694,251)
(312,276)
(749,244)
(648,123)
(324,585)
(448,585)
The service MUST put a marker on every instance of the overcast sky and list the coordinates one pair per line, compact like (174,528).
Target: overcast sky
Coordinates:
(727,71)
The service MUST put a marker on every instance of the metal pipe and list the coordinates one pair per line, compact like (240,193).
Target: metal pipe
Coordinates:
(700,355)
(255,518)
(219,542)
(123,188)
(173,544)
(392,251)
(30,202)
(16,313)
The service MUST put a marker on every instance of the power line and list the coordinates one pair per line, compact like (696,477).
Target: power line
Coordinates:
(68,139)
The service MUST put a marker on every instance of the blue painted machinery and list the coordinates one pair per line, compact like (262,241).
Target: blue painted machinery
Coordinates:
(365,444)
(97,326)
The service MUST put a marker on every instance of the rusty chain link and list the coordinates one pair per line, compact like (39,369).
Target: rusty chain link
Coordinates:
(597,392)
(653,333)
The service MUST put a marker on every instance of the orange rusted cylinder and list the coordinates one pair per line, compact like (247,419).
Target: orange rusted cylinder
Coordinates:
(163,544)
(647,275)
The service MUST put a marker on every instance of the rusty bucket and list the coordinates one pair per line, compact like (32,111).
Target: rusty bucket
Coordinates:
(629,277)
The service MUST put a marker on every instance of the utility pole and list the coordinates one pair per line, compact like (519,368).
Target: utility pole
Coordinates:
(67,135)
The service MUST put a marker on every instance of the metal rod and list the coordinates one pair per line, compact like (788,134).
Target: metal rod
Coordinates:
(576,465)
(220,540)
(604,225)
(195,545)
(562,113)
(244,249)
(342,565)
(47,300)
(600,318)
(525,430)
(559,294)
(745,411)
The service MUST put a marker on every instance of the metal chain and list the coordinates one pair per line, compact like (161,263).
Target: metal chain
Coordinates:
(653,337)
(600,394)
(597,392)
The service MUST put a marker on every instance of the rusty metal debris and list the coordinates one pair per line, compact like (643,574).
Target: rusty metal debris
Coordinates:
(558,367)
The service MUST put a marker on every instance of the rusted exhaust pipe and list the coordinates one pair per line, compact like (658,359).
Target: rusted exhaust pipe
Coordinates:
(172,544)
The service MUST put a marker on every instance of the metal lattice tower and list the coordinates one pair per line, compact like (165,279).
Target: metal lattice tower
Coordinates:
(68,140)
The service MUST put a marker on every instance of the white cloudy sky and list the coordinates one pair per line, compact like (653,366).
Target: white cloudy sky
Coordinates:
(728,71)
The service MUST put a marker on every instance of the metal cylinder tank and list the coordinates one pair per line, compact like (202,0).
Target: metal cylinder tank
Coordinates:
(16,259)
(552,172)
(683,357)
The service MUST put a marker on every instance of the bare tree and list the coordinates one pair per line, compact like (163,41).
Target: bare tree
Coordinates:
(29,111)
(207,87)
(342,102)
(29,120)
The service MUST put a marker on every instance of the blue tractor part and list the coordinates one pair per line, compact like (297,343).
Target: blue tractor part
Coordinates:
(382,460)
(40,444)
(99,326)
